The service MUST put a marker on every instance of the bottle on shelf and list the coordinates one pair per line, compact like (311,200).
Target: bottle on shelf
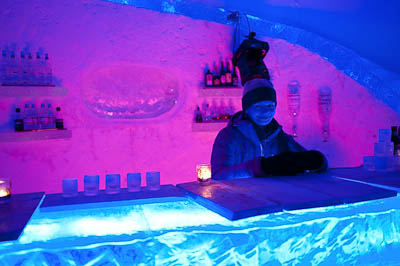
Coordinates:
(48,71)
(59,120)
(198,116)
(40,70)
(235,78)
(35,117)
(51,117)
(395,138)
(216,78)
(208,79)
(14,70)
(214,111)
(18,120)
(27,118)
(30,66)
(222,76)
(4,68)
(24,70)
(43,117)
(228,74)
(206,113)
(222,111)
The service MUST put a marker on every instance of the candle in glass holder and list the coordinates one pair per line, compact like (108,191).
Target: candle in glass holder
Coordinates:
(5,190)
(203,173)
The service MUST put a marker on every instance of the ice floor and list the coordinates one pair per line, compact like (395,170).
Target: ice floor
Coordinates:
(185,233)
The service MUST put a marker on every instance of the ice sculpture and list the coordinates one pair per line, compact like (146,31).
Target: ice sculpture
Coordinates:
(325,109)
(130,91)
(294,103)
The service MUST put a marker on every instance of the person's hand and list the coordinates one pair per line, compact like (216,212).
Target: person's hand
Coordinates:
(292,163)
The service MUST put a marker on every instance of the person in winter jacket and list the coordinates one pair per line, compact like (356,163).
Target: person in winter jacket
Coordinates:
(254,144)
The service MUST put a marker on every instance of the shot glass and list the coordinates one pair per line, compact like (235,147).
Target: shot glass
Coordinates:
(113,183)
(153,180)
(91,185)
(134,181)
(5,190)
(203,174)
(70,187)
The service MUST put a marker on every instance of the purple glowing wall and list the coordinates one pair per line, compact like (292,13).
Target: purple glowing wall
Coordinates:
(112,57)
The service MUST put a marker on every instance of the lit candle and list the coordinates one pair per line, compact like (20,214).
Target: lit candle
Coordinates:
(5,189)
(203,173)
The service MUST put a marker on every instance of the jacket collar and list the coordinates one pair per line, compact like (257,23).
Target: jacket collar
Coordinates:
(246,128)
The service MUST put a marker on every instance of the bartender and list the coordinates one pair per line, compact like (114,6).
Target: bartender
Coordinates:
(254,145)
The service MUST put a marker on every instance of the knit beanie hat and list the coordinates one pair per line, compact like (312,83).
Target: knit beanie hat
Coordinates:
(257,90)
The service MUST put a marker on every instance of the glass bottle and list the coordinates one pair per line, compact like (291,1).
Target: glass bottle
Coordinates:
(4,72)
(207,113)
(35,117)
(222,76)
(208,79)
(228,74)
(43,117)
(27,118)
(294,103)
(59,119)
(325,109)
(48,71)
(235,78)
(216,78)
(198,117)
(14,70)
(32,78)
(18,121)
(24,69)
(40,70)
(51,117)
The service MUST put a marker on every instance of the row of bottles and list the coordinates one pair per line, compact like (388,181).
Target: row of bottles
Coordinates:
(395,139)
(25,69)
(225,77)
(213,112)
(30,118)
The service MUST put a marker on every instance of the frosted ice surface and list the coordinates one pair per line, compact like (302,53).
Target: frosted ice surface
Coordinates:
(184,233)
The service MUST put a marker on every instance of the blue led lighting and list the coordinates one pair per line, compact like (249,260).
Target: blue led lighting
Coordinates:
(185,233)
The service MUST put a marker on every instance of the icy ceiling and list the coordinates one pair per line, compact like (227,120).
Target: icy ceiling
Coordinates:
(382,83)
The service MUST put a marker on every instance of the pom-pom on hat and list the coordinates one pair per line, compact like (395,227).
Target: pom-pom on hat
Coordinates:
(257,90)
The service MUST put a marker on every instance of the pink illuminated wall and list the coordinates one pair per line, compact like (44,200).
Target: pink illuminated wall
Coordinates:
(94,44)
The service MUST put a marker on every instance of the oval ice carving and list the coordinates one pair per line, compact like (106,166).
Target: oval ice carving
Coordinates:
(129,91)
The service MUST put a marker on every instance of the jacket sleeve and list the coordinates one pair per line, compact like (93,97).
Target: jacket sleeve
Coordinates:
(293,145)
(318,156)
(223,159)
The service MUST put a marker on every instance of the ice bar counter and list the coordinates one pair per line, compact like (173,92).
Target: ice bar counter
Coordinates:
(342,217)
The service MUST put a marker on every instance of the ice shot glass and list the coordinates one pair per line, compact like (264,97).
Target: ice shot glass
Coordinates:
(91,185)
(134,182)
(70,187)
(113,183)
(153,180)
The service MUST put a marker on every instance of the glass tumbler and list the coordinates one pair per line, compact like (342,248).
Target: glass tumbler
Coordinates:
(113,183)
(153,180)
(91,185)
(134,181)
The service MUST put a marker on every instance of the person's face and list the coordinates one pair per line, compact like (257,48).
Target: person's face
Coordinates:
(262,113)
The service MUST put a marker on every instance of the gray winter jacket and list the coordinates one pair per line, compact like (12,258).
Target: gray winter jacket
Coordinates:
(237,150)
